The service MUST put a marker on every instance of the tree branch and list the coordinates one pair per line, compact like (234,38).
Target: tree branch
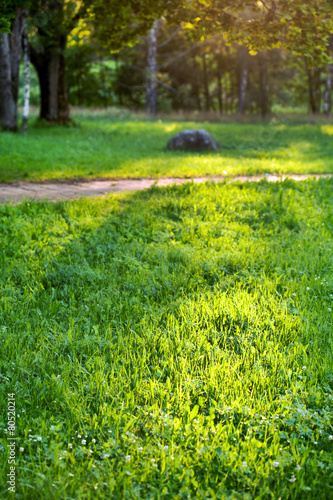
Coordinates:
(163,44)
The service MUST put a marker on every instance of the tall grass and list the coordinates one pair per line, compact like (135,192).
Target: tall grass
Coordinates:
(171,344)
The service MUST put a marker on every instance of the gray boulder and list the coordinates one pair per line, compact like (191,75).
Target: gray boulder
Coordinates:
(193,140)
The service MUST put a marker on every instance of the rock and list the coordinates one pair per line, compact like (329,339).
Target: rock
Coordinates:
(193,140)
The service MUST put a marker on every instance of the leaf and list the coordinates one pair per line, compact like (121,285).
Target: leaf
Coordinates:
(253,52)
(194,412)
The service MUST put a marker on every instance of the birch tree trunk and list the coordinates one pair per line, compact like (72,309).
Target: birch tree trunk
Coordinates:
(243,82)
(151,84)
(26,98)
(10,57)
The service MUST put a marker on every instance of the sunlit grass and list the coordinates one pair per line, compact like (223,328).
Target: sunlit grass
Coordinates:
(130,147)
(174,343)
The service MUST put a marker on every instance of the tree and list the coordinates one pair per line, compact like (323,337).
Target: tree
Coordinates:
(26,99)
(13,18)
(304,28)
(114,22)
(243,81)
(52,20)
(7,10)
(301,27)
(328,82)
(151,84)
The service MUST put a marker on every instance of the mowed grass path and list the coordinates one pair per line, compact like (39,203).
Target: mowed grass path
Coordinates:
(132,148)
(171,344)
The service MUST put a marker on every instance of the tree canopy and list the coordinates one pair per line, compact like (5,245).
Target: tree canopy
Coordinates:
(301,27)
(7,12)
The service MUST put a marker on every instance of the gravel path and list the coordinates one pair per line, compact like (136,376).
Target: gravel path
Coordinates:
(53,191)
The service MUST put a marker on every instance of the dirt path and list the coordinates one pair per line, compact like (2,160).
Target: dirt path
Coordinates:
(54,191)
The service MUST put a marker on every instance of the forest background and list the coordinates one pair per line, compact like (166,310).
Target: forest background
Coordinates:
(243,57)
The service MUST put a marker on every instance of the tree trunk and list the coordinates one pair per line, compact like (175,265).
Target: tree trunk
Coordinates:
(314,89)
(195,85)
(51,70)
(264,100)
(220,93)
(151,84)
(26,99)
(205,82)
(7,104)
(10,57)
(219,75)
(328,83)
(243,82)
(327,91)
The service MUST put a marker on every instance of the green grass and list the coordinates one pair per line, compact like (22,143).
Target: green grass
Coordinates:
(184,333)
(103,146)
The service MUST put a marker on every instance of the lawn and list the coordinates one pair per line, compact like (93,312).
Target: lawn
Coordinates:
(107,146)
(174,343)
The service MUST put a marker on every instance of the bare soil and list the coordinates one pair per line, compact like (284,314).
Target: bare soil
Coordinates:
(69,190)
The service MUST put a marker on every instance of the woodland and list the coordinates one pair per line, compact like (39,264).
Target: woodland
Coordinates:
(221,56)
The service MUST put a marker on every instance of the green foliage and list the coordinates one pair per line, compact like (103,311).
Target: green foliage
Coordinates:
(4,25)
(90,82)
(7,12)
(175,343)
(118,23)
(302,27)
(101,145)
